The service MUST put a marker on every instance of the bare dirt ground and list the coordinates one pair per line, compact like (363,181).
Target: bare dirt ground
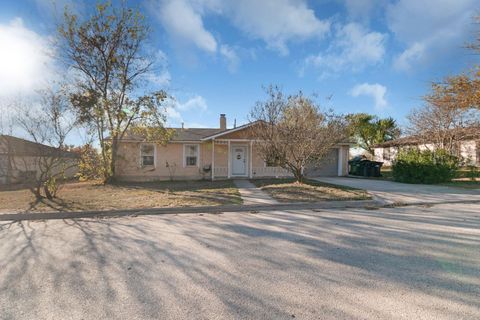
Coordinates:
(77,196)
(287,190)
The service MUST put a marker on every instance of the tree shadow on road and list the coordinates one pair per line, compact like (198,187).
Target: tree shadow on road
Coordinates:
(238,265)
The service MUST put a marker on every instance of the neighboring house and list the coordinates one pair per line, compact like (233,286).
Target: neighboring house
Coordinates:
(22,160)
(209,153)
(467,147)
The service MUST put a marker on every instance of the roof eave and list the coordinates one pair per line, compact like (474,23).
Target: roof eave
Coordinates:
(213,136)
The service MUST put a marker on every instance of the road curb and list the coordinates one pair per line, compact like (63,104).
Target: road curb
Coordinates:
(187,210)
(354,204)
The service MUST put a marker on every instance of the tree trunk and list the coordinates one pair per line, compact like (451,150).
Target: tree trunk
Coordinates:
(298,174)
(48,194)
(113,161)
(36,192)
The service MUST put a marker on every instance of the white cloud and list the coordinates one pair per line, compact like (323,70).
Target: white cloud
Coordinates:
(429,26)
(25,59)
(231,57)
(353,48)
(184,24)
(176,109)
(410,56)
(173,116)
(159,76)
(376,91)
(276,22)
(159,80)
(196,103)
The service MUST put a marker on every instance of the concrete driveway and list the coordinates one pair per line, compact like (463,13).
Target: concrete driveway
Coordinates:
(395,263)
(394,192)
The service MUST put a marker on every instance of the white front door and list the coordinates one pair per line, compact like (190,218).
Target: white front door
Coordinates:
(239,163)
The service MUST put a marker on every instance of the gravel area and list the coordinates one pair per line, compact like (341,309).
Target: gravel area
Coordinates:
(395,263)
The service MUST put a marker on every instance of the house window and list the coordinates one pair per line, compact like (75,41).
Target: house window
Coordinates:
(148,155)
(191,155)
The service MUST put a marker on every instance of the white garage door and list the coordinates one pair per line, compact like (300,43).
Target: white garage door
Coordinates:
(328,167)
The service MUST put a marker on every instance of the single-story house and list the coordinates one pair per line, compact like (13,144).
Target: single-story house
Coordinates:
(467,147)
(209,153)
(21,160)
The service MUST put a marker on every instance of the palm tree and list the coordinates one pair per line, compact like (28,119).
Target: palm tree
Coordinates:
(368,130)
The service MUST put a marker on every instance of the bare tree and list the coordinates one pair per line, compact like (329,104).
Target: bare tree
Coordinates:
(107,52)
(452,108)
(48,124)
(442,123)
(294,132)
(459,91)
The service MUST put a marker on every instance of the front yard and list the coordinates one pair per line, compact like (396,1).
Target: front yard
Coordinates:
(91,196)
(287,190)
(78,196)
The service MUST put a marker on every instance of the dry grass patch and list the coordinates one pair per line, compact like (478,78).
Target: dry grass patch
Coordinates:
(78,196)
(287,190)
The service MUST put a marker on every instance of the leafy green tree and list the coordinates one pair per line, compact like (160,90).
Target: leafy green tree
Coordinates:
(368,130)
(88,167)
(108,55)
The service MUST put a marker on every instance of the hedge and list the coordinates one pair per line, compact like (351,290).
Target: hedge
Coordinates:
(424,166)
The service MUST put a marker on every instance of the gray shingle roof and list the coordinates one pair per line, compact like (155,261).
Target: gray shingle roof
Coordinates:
(193,134)
(182,134)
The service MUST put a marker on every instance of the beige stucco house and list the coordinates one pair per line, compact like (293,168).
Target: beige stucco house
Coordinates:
(22,160)
(468,147)
(209,153)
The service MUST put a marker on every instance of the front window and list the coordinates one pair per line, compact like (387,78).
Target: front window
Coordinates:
(191,155)
(148,155)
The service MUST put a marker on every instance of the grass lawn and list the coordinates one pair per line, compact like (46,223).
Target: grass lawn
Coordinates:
(463,179)
(77,196)
(287,190)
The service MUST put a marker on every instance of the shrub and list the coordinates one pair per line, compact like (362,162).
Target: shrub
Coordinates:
(90,166)
(416,166)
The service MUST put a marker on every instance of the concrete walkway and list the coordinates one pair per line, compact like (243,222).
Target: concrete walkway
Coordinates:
(251,194)
(389,192)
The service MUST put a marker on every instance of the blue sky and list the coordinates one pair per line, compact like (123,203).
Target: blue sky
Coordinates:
(369,55)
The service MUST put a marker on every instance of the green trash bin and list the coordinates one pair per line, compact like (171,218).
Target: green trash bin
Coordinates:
(377,168)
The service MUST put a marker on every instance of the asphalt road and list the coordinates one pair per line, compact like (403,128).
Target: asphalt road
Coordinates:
(396,263)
